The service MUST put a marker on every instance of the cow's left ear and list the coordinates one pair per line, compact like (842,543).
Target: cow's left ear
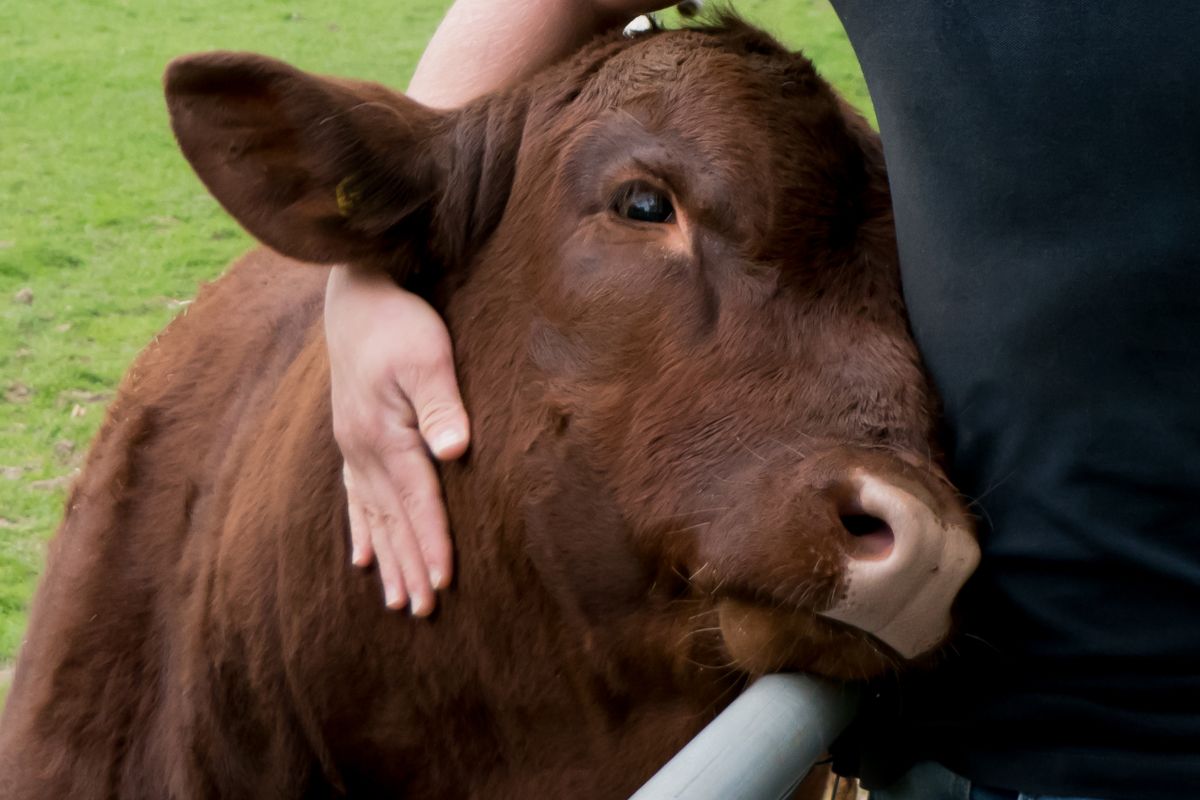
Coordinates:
(333,171)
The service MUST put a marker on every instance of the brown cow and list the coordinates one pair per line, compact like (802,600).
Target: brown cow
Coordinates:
(702,442)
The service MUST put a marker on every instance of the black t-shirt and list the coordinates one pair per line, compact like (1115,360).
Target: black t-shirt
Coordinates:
(1044,159)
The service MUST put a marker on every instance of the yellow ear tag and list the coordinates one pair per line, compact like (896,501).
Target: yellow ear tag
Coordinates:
(346,197)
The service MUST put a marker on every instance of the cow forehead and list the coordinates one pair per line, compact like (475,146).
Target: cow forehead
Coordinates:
(704,71)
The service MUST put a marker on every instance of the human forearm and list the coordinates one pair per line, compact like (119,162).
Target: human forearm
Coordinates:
(482,45)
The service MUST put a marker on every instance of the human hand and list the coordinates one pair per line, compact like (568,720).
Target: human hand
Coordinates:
(395,401)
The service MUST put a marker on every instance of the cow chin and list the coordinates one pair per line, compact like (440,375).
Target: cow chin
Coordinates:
(761,640)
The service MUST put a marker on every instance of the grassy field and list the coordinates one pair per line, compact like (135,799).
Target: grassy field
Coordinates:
(104,230)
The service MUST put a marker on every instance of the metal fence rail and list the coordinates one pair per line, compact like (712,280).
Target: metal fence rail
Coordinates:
(761,746)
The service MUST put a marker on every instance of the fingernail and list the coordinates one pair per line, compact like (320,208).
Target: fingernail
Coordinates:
(390,596)
(437,578)
(418,607)
(354,555)
(445,440)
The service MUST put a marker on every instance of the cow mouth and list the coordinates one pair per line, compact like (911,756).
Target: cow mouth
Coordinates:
(762,639)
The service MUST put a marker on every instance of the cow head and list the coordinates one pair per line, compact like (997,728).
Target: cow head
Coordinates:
(669,270)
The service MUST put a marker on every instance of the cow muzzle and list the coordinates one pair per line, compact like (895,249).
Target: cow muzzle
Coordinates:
(850,541)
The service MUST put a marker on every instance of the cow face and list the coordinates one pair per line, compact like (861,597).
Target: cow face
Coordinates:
(669,272)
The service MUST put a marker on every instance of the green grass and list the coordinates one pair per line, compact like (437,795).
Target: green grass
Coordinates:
(105,223)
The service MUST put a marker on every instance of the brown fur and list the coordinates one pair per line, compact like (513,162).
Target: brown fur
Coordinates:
(662,414)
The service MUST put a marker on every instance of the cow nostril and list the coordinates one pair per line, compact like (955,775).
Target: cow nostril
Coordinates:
(863,524)
(872,538)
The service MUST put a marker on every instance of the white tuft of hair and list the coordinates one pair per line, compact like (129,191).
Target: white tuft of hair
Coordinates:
(639,25)
(647,22)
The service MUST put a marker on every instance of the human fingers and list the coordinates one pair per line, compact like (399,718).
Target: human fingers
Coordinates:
(395,535)
(395,594)
(361,550)
(419,491)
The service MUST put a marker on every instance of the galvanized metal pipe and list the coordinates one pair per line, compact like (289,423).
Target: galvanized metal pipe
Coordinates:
(761,746)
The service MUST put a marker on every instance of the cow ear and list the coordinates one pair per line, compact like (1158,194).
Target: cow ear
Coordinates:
(332,171)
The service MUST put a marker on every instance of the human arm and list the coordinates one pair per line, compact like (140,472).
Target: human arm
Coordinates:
(394,392)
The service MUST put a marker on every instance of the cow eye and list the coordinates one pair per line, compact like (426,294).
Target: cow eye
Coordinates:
(643,203)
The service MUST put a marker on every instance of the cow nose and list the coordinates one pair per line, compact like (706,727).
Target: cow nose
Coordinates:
(905,562)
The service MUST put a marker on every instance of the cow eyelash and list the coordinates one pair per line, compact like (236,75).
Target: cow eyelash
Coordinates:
(640,202)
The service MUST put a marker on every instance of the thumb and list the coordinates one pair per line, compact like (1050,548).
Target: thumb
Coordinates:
(441,417)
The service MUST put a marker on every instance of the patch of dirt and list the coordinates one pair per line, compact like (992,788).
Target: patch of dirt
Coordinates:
(82,396)
(51,484)
(63,450)
(18,392)
(24,296)
(13,473)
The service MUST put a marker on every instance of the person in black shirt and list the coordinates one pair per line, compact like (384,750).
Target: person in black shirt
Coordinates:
(1045,168)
